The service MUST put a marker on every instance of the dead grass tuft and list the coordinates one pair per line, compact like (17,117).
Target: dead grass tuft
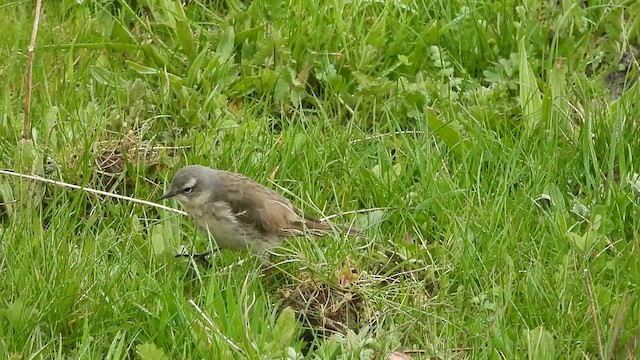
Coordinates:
(328,308)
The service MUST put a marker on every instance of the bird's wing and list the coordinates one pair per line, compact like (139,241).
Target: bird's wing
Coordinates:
(258,206)
(267,211)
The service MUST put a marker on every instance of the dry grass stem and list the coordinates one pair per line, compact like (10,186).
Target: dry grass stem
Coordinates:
(30,54)
(594,313)
(92,191)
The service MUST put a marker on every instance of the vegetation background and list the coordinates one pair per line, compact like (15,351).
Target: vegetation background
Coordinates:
(495,145)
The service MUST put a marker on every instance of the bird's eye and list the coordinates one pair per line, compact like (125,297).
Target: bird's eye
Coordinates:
(187,190)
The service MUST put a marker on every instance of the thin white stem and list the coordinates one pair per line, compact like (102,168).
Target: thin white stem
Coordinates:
(90,190)
(30,54)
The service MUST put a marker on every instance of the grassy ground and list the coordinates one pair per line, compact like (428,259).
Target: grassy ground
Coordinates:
(502,139)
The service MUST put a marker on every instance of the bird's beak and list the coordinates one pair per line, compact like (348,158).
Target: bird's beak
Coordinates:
(167,195)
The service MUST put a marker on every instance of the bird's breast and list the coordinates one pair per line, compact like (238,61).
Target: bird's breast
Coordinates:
(218,221)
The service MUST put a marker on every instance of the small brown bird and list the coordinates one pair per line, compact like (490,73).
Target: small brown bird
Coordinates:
(239,213)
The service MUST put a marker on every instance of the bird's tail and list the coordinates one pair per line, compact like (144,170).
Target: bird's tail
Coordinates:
(312,223)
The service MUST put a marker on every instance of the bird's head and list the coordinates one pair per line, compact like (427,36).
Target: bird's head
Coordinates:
(192,186)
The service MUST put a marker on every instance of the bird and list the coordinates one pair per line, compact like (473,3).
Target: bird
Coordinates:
(240,213)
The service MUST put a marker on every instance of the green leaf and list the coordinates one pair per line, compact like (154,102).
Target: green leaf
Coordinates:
(502,341)
(153,55)
(18,313)
(165,11)
(600,221)
(118,346)
(186,38)
(492,77)
(299,142)
(282,86)
(555,196)
(530,98)
(540,344)
(251,34)
(149,351)
(557,85)
(163,239)
(103,76)
(119,33)
(157,242)
(184,33)
(226,44)
(368,85)
(391,175)
(285,329)
(29,161)
(193,72)
(178,10)
(578,241)
(436,29)
(584,243)
(141,69)
(446,133)
(50,123)
(6,198)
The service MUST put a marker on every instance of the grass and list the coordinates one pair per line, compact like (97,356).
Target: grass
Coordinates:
(501,137)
